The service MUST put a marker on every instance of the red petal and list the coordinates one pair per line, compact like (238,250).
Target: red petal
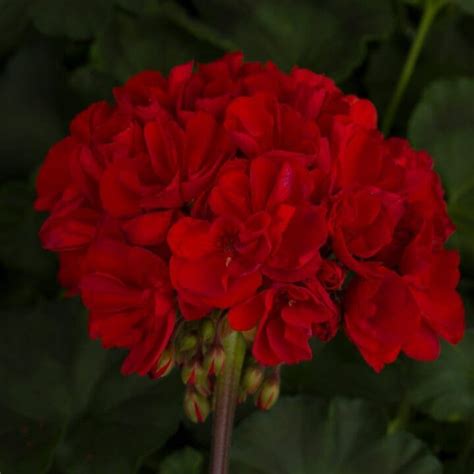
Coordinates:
(190,238)
(246,315)
(107,293)
(118,187)
(424,345)
(148,229)
(54,175)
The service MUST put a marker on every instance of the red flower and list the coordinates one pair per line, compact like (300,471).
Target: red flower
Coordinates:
(70,269)
(149,95)
(99,135)
(392,166)
(236,186)
(71,228)
(331,275)
(68,183)
(175,168)
(381,315)
(210,266)
(129,297)
(259,123)
(286,317)
(270,197)
(433,277)
(214,85)
(313,94)
(54,176)
(362,223)
(422,191)
(391,313)
(364,160)
(257,231)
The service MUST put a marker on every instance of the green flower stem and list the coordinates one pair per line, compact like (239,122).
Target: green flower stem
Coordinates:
(430,11)
(400,422)
(226,394)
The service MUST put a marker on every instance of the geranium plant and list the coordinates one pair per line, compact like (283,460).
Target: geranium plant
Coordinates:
(218,219)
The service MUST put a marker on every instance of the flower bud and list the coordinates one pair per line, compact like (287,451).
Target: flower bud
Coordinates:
(268,393)
(164,365)
(242,396)
(196,406)
(208,331)
(224,329)
(331,275)
(187,342)
(203,385)
(214,361)
(192,372)
(252,379)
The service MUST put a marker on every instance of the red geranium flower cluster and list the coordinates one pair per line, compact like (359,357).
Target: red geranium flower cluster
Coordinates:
(273,196)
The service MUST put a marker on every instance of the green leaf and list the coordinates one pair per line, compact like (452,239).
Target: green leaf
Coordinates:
(445,388)
(447,106)
(30,94)
(20,250)
(135,6)
(328,36)
(92,85)
(187,460)
(13,23)
(50,372)
(466,5)
(321,376)
(77,19)
(443,124)
(126,420)
(160,38)
(26,444)
(309,436)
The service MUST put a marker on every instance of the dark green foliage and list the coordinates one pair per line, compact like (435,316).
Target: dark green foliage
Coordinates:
(64,407)
(63,396)
(342,436)
(443,124)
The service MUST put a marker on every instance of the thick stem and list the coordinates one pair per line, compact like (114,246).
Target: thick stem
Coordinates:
(429,13)
(226,394)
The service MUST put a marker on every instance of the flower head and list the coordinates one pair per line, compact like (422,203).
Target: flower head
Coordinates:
(234,192)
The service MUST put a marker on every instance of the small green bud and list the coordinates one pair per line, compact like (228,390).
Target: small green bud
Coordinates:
(214,361)
(203,385)
(208,331)
(187,342)
(252,378)
(242,396)
(192,372)
(226,330)
(196,406)
(268,393)
(164,365)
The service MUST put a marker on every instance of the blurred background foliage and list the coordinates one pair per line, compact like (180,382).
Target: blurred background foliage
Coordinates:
(64,408)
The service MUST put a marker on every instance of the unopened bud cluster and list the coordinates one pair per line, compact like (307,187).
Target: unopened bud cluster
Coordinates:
(196,349)
(197,352)
(263,384)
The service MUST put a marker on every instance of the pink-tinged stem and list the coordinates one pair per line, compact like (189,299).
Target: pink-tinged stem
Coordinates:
(226,394)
